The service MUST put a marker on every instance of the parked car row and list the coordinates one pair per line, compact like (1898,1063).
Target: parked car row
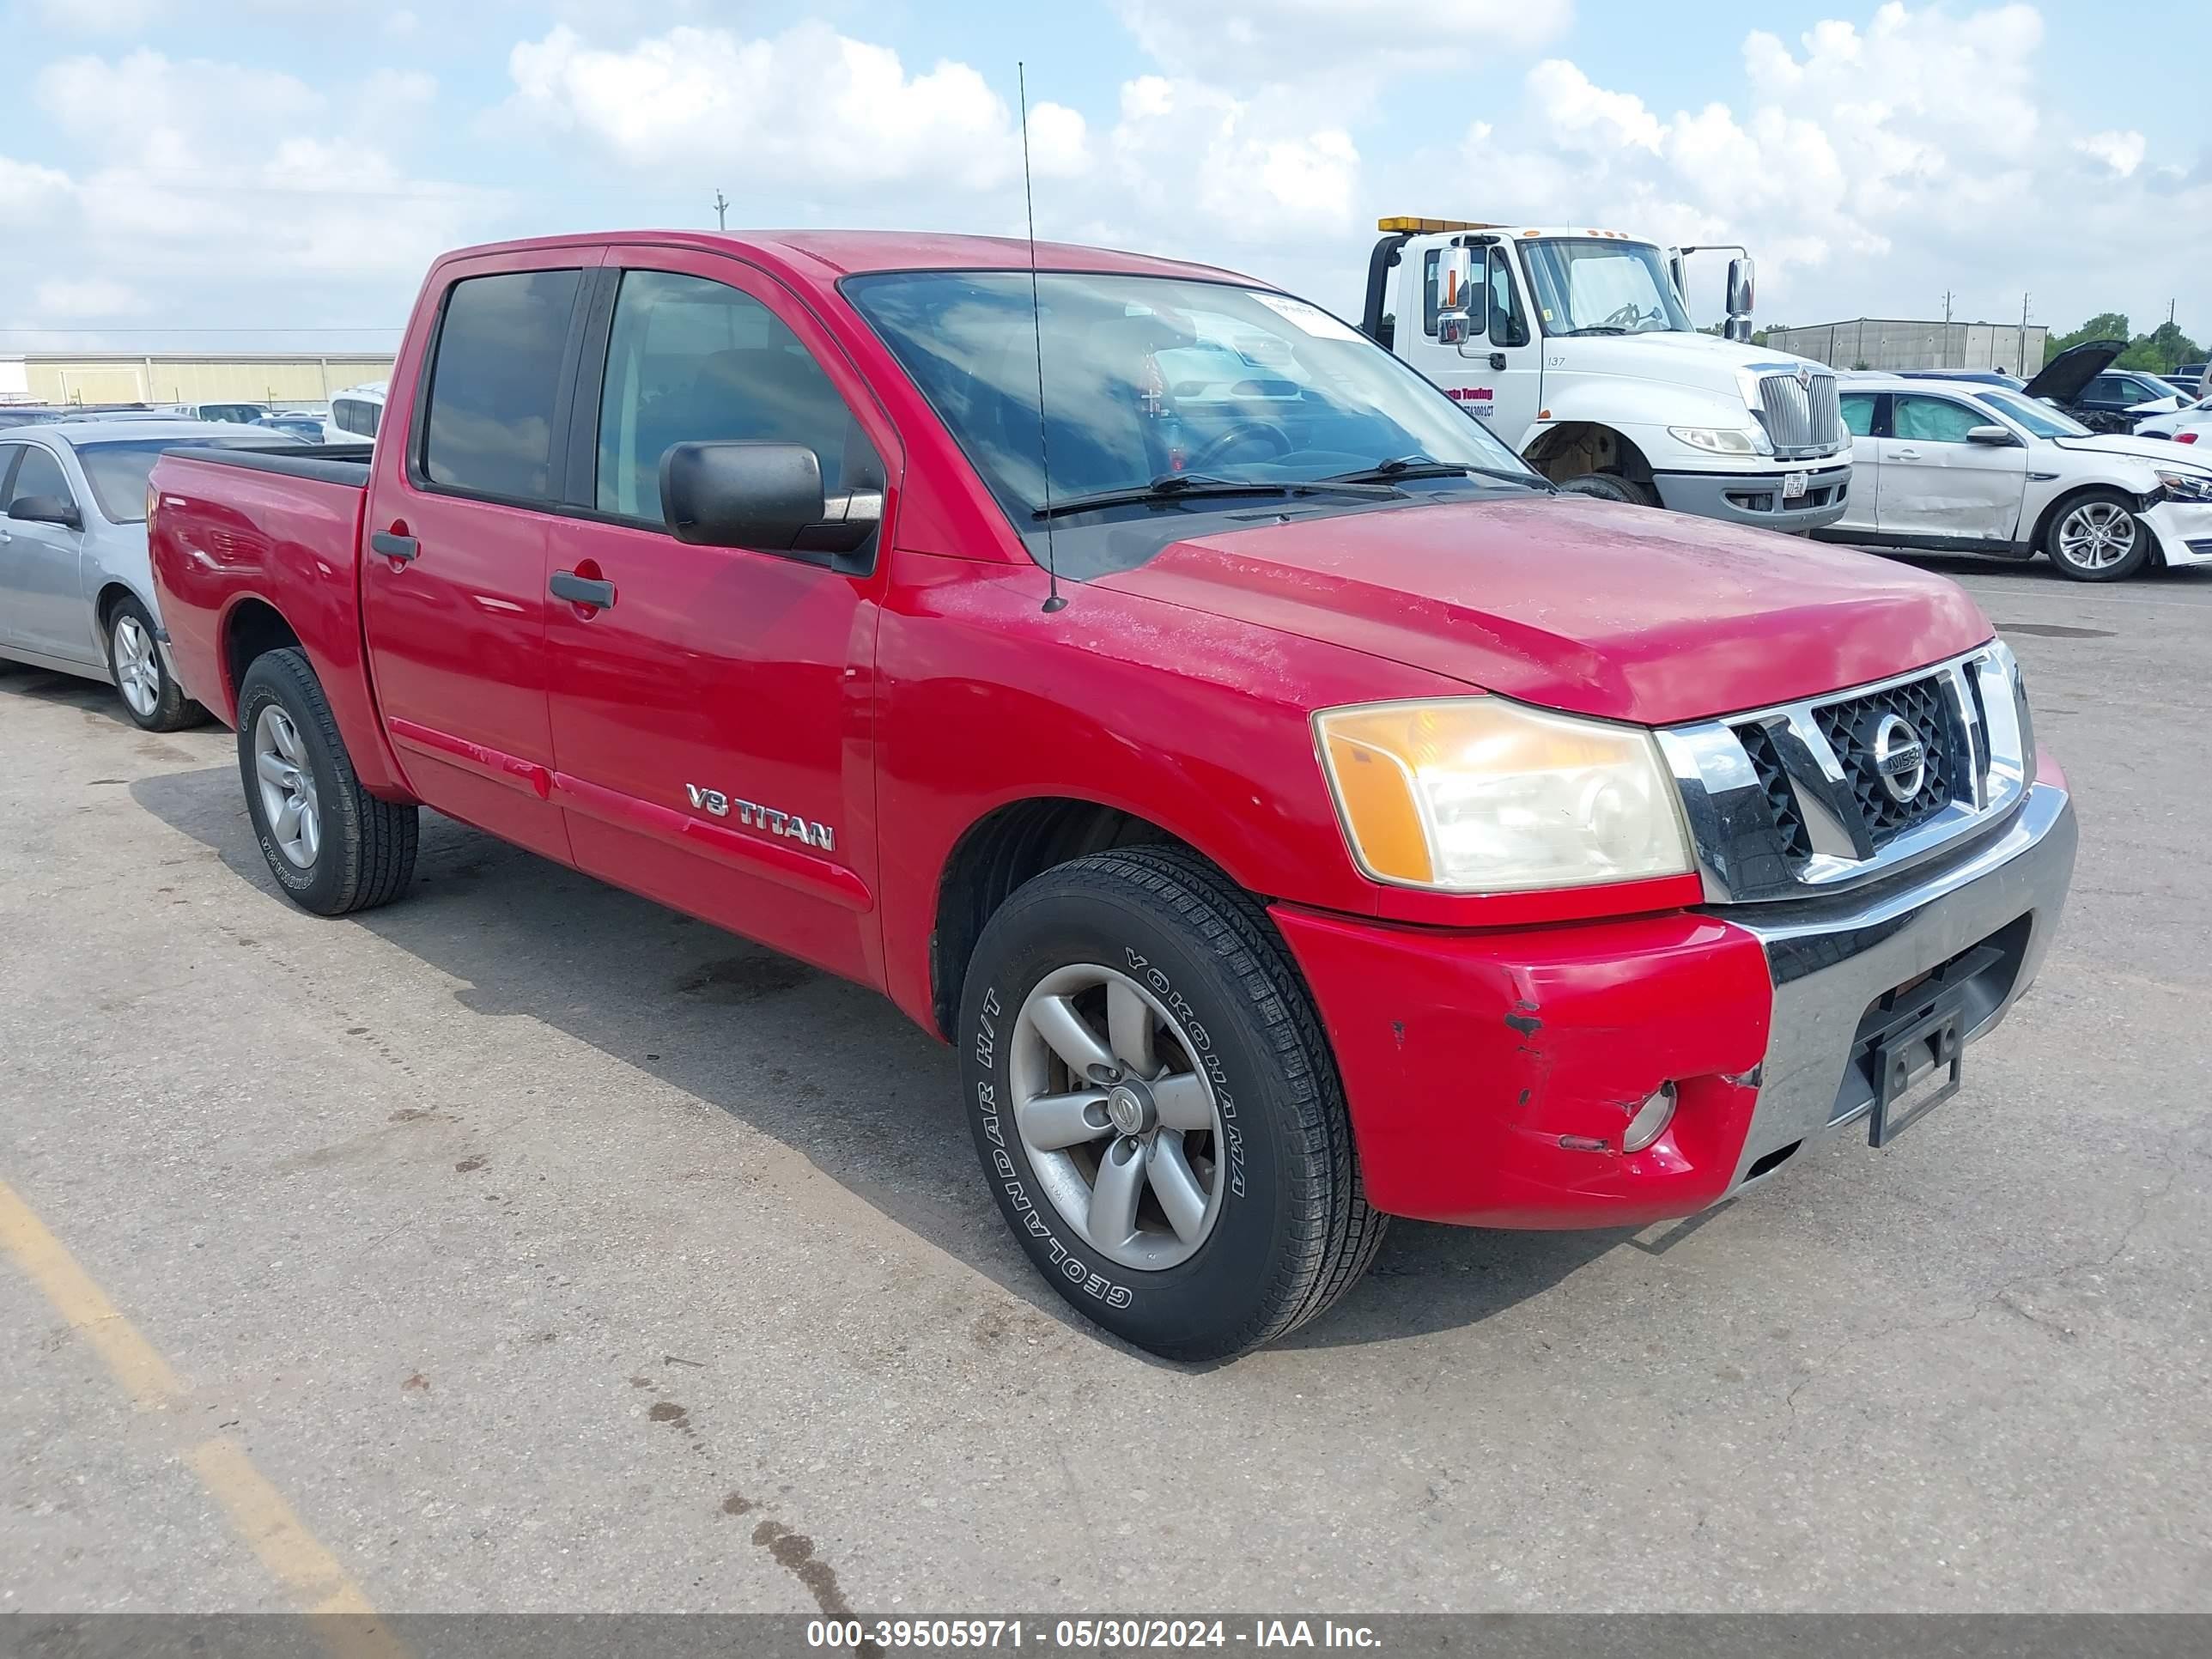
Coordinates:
(77,593)
(1960,466)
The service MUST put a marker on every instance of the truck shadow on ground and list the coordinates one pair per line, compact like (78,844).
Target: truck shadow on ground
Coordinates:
(829,1069)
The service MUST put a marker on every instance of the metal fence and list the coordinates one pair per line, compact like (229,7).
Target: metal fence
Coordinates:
(1894,343)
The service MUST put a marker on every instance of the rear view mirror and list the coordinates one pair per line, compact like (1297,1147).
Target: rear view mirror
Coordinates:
(762,495)
(45,509)
(2000,437)
(1454,296)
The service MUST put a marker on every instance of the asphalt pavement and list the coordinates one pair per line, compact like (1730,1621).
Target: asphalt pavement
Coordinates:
(525,1245)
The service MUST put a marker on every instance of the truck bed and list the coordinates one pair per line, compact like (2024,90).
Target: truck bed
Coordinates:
(263,552)
(338,464)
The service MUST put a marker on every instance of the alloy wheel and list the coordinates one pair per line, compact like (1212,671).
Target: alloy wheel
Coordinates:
(289,800)
(1120,1123)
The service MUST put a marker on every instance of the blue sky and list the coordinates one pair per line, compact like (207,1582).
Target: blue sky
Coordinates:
(266,173)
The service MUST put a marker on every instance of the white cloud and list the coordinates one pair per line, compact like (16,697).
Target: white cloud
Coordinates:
(1244,170)
(1869,169)
(2123,152)
(817,110)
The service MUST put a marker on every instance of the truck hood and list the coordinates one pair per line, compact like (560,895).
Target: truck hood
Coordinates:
(1593,607)
(1699,360)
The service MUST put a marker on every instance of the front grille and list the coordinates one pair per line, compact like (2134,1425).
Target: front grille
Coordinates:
(1851,726)
(1802,416)
(1788,822)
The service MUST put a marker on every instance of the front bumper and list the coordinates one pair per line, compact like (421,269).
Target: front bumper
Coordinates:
(1755,498)
(2184,530)
(1490,1075)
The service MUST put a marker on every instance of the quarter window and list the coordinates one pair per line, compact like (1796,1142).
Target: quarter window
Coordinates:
(1933,420)
(496,382)
(691,360)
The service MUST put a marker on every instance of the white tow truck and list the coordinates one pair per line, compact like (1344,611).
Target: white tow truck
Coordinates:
(1576,347)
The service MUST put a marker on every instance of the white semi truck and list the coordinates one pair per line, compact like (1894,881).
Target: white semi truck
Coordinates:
(1576,347)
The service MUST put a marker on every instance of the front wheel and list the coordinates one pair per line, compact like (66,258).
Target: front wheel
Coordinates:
(333,847)
(2097,538)
(1157,1107)
(1610,487)
(151,697)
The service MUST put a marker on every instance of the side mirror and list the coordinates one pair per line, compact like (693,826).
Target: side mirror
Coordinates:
(1742,287)
(1454,296)
(762,495)
(47,509)
(1998,437)
(1738,329)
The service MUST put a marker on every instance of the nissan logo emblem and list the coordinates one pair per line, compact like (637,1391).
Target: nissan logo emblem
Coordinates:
(1900,759)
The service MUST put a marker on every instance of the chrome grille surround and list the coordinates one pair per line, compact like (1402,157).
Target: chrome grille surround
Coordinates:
(1802,417)
(1759,837)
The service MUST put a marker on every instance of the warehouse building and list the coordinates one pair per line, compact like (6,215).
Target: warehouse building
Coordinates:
(286,380)
(1896,343)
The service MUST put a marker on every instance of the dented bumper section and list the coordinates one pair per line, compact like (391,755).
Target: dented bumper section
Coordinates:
(1489,1076)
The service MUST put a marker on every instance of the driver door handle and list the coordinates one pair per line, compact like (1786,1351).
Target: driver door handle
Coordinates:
(581,590)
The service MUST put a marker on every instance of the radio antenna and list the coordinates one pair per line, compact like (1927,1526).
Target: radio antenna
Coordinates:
(1054,601)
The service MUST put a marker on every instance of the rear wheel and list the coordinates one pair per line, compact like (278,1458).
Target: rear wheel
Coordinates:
(333,847)
(151,697)
(1156,1109)
(2097,538)
(1610,487)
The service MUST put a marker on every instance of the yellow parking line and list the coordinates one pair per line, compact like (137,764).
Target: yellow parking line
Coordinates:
(256,1510)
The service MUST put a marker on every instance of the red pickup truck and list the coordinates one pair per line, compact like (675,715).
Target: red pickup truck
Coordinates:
(1295,811)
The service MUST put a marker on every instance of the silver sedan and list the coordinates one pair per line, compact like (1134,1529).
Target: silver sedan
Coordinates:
(76,591)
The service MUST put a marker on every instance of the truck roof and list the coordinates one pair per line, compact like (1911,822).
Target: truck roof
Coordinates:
(826,255)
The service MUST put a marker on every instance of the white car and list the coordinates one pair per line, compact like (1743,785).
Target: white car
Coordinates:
(2189,425)
(355,413)
(1954,466)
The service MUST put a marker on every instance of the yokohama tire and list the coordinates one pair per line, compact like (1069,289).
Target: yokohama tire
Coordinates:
(1289,1230)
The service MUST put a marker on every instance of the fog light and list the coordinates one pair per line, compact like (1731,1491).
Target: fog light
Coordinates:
(1650,1121)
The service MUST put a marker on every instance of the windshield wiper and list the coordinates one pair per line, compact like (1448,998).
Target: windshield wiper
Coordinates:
(1595,328)
(1185,486)
(1421,467)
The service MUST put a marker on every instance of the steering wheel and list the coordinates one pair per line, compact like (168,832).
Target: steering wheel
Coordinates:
(1279,440)
(1627,316)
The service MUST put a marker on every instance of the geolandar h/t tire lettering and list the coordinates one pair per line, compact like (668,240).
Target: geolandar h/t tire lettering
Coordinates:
(333,847)
(1156,1109)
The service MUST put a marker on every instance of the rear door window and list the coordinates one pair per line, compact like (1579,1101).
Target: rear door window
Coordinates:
(496,382)
(1858,413)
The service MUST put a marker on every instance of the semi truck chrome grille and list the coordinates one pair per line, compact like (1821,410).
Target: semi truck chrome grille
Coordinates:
(1833,791)
(1802,417)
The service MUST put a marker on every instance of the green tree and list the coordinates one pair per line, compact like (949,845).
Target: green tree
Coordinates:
(2105,326)
(2163,348)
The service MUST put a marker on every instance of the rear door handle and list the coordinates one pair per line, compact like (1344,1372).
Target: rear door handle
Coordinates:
(581,590)
(394,547)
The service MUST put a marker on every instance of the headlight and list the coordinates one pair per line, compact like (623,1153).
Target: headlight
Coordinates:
(1722,439)
(1484,795)
(2187,486)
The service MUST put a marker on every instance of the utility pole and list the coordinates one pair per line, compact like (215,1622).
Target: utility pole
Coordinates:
(2025,372)
(721,212)
(1945,363)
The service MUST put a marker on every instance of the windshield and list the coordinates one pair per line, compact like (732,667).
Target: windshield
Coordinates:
(118,471)
(1149,377)
(1587,285)
(2040,418)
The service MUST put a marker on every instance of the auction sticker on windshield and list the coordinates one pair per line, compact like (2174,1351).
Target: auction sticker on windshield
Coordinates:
(1312,319)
